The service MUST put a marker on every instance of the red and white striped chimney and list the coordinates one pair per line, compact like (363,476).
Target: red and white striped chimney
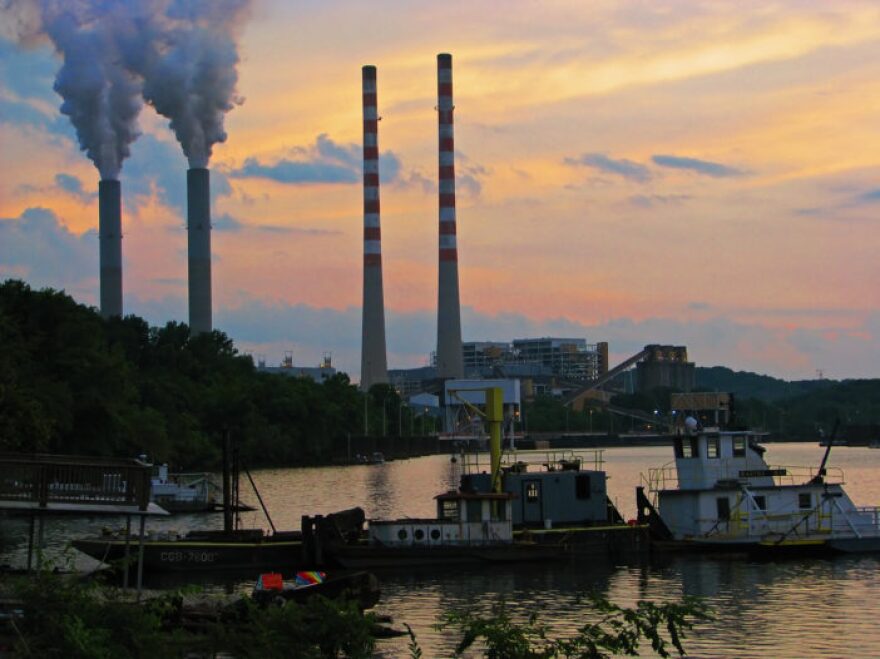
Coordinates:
(374,367)
(449,358)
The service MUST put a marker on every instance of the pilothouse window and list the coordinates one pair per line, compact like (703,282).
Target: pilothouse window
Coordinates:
(712,447)
(739,447)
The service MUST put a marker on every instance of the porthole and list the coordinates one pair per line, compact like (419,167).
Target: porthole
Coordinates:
(419,534)
(401,534)
(435,534)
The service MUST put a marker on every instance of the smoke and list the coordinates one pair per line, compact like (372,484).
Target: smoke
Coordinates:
(190,74)
(178,55)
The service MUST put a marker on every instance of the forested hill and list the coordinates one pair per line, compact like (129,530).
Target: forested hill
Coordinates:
(798,408)
(72,382)
(752,385)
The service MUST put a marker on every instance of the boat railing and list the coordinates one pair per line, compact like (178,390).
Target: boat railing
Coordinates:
(536,460)
(825,519)
(666,477)
(871,513)
(660,478)
(798,475)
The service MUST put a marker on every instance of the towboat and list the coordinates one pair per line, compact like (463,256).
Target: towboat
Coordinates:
(719,494)
(471,526)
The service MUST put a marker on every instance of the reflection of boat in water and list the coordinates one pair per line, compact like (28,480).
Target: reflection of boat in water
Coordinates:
(721,495)
(374,458)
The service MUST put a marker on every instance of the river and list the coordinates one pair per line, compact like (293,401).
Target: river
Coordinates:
(792,608)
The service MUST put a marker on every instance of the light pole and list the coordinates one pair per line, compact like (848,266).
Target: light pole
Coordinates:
(591,420)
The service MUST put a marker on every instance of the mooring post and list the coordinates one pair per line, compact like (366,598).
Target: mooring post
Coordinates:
(125,563)
(140,577)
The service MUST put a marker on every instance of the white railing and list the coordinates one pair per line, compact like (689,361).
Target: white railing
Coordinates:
(666,477)
(536,460)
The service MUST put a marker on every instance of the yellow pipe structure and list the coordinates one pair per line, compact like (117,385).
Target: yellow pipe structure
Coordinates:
(495,417)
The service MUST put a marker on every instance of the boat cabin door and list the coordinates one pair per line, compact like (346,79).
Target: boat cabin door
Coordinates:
(532,502)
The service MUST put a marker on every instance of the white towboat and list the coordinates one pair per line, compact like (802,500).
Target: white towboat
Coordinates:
(720,494)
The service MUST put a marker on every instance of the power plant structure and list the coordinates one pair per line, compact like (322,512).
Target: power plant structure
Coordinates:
(110,238)
(374,365)
(198,225)
(449,355)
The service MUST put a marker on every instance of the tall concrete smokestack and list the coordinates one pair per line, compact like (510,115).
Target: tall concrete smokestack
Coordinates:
(449,357)
(110,235)
(198,225)
(374,366)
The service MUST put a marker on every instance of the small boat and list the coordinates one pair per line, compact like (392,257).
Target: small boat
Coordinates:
(720,494)
(362,587)
(183,492)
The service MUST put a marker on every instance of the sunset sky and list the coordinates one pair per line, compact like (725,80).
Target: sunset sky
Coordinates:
(703,174)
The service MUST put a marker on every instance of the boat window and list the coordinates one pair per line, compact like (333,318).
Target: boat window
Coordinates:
(531,491)
(723,506)
(474,510)
(713,447)
(450,510)
(402,534)
(739,447)
(582,486)
(761,502)
(435,534)
(686,448)
(805,501)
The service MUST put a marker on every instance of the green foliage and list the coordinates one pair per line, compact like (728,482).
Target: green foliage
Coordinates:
(66,618)
(72,382)
(319,628)
(615,631)
(548,414)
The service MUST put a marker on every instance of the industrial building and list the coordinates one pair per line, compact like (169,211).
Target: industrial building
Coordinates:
(666,366)
(319,373)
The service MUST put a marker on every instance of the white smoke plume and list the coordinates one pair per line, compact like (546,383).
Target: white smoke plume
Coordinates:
(99,95)
(179,55)
(190,73)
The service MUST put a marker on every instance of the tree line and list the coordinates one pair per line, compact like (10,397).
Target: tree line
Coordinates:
(72,382)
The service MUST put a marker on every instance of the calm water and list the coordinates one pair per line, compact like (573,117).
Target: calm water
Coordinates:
(821,608)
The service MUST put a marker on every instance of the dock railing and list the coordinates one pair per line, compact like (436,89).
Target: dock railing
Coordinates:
(39,481)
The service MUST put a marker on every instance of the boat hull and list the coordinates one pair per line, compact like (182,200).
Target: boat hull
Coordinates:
(208,555)
(768,549)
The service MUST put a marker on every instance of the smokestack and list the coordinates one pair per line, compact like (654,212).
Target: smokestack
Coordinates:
(374,366)
(110,235)
(449,357)
(198,225)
